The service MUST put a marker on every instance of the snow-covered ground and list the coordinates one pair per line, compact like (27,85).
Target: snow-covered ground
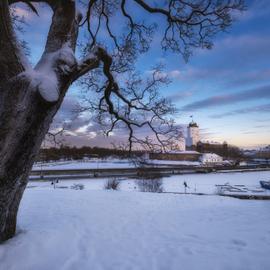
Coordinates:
(197,183)
(103,164)
(67,229)
(80,164)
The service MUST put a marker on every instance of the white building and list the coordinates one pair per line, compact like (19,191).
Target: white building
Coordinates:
(193,134)
(211,158)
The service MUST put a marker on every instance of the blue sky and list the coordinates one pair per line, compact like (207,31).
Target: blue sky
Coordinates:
(226,89)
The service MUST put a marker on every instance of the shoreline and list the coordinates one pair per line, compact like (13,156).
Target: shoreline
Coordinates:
(68,174)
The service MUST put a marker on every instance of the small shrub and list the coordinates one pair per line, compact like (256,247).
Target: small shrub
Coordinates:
(112,184)
(149,181)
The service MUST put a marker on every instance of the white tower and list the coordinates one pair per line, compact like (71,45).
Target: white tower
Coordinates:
(193,134)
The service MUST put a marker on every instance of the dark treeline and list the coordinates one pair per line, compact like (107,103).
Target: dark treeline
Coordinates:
(75,153)
(225,150)
(68,153)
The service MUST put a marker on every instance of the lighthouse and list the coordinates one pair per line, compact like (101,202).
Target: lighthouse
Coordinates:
(193,134)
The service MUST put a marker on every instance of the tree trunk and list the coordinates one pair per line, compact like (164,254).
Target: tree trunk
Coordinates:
(29,99)
(10,200)
(24,121)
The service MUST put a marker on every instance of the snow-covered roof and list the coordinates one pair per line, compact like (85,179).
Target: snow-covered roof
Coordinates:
(211,155)
(182,152)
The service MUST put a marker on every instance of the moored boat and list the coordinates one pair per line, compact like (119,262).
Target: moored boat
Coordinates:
(265,184)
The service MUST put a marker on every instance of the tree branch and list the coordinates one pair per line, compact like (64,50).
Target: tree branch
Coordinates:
(12,60)
(88,63)
(192,24)
(64,27)
(137,107)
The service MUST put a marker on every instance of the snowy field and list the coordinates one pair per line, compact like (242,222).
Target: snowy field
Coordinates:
(103,164)
(80,164)
(67,229)
(197,183)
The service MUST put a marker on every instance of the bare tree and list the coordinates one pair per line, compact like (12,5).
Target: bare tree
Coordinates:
(31,96)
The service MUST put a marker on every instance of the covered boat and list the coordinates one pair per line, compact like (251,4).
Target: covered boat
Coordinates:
(265,184)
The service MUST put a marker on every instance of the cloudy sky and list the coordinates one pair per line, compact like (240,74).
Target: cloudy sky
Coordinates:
(226,89)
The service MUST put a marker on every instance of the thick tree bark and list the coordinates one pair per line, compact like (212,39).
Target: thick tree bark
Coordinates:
(25,111)
(29,118)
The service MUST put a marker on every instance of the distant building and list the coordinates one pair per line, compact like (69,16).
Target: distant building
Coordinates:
(193,134)
(263,153)
(176,155)
(222,149)
(213,147)
(192,148)
(205,159)
(211,158)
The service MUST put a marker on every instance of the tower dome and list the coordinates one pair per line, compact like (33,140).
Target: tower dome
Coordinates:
(193,124)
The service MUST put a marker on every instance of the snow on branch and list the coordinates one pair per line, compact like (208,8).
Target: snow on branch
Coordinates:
(89,62)
(47,76)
